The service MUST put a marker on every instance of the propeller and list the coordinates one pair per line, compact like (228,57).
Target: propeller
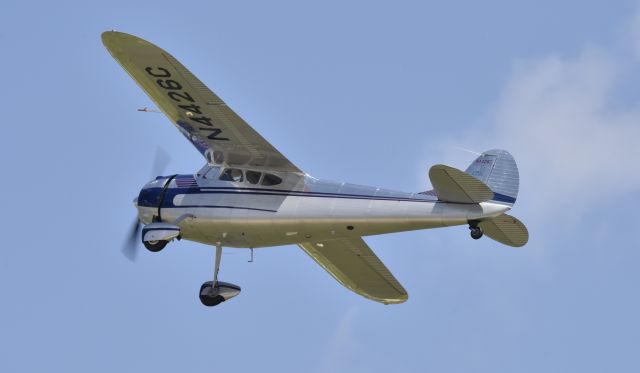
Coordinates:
(160,162)
(130,246)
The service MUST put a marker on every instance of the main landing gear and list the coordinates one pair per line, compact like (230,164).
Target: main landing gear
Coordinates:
(215,292)
(155,246)
(476,231)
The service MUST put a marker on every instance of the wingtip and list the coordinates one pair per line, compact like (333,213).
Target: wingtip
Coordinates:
(114,39)
(109,38)
(108,35)
(398,300)
(401,298)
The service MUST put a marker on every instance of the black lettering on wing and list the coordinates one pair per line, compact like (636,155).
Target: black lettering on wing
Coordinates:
(163,74)
(192,108)
(202,120)
(169,84)
(214,133)
(179,96)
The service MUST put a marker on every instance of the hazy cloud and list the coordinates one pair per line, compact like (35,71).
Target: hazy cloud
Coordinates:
(574,142)
(341,344)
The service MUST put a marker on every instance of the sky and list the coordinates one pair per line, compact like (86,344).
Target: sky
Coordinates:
(368,92)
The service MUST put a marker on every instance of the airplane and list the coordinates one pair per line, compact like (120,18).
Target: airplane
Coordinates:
(249,195)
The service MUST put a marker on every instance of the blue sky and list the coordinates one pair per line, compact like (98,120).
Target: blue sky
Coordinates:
(366,92)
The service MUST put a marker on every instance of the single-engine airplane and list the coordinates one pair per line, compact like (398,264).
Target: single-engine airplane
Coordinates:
(249,195)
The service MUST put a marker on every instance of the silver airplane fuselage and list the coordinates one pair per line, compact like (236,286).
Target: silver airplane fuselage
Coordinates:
(249,195)
(245,213)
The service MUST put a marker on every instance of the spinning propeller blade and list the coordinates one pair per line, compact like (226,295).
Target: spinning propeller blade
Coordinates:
(130,246)
(160,162)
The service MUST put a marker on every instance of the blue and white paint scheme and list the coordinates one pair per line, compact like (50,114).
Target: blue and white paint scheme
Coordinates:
(248,195)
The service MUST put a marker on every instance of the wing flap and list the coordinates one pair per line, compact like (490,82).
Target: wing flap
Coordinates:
(453,185)
(200,115)
(356,266)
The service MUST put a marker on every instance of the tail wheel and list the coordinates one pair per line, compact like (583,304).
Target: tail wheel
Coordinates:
(476,233)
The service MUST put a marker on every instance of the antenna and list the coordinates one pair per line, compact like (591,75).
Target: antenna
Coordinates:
(467,150)
(147,110)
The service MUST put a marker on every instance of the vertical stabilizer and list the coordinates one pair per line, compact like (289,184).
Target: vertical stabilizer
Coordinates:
(499,171)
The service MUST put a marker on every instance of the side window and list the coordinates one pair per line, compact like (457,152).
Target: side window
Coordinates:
(253,176)
(232,174)
(270,179)
(210,174)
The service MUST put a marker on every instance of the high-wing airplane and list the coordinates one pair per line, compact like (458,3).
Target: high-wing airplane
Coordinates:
(249,195)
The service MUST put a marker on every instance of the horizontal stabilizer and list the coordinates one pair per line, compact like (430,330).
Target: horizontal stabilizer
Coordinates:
(453,185)
(506,229)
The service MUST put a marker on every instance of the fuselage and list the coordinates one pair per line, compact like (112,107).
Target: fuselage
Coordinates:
(258,208)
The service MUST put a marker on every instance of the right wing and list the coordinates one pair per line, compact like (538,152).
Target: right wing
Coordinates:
(354,265)
(203,118)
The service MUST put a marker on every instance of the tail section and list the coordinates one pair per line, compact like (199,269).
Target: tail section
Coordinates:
(499,171)
(493,176)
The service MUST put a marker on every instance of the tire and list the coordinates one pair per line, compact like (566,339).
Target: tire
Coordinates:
(155,246)
(209,300)
(476,233)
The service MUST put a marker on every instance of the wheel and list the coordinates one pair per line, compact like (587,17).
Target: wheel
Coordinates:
(155,246)
(476,233)
(208,296)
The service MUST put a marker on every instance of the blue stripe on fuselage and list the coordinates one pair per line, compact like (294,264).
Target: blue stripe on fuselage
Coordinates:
(153,193)
(172,192)
(503,198)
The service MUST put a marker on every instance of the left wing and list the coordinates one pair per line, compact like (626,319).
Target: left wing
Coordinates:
(202,117)
(453,185)
(354,265)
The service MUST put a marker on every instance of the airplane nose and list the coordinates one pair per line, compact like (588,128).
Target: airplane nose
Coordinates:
(150,193)
(149,197)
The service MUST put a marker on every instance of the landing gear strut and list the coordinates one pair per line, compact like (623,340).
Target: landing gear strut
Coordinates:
(215,292)
(476,231)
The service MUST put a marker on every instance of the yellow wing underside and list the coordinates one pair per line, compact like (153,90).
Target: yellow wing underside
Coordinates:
(356,266)
(207,122)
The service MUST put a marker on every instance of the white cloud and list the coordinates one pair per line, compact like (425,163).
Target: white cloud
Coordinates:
(575,144)
(632,36)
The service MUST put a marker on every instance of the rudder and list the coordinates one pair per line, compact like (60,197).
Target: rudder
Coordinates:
(497,168)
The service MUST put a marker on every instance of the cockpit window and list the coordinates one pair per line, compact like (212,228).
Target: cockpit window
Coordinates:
(270,179)
(232,174)
(253,176)
(210,173)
